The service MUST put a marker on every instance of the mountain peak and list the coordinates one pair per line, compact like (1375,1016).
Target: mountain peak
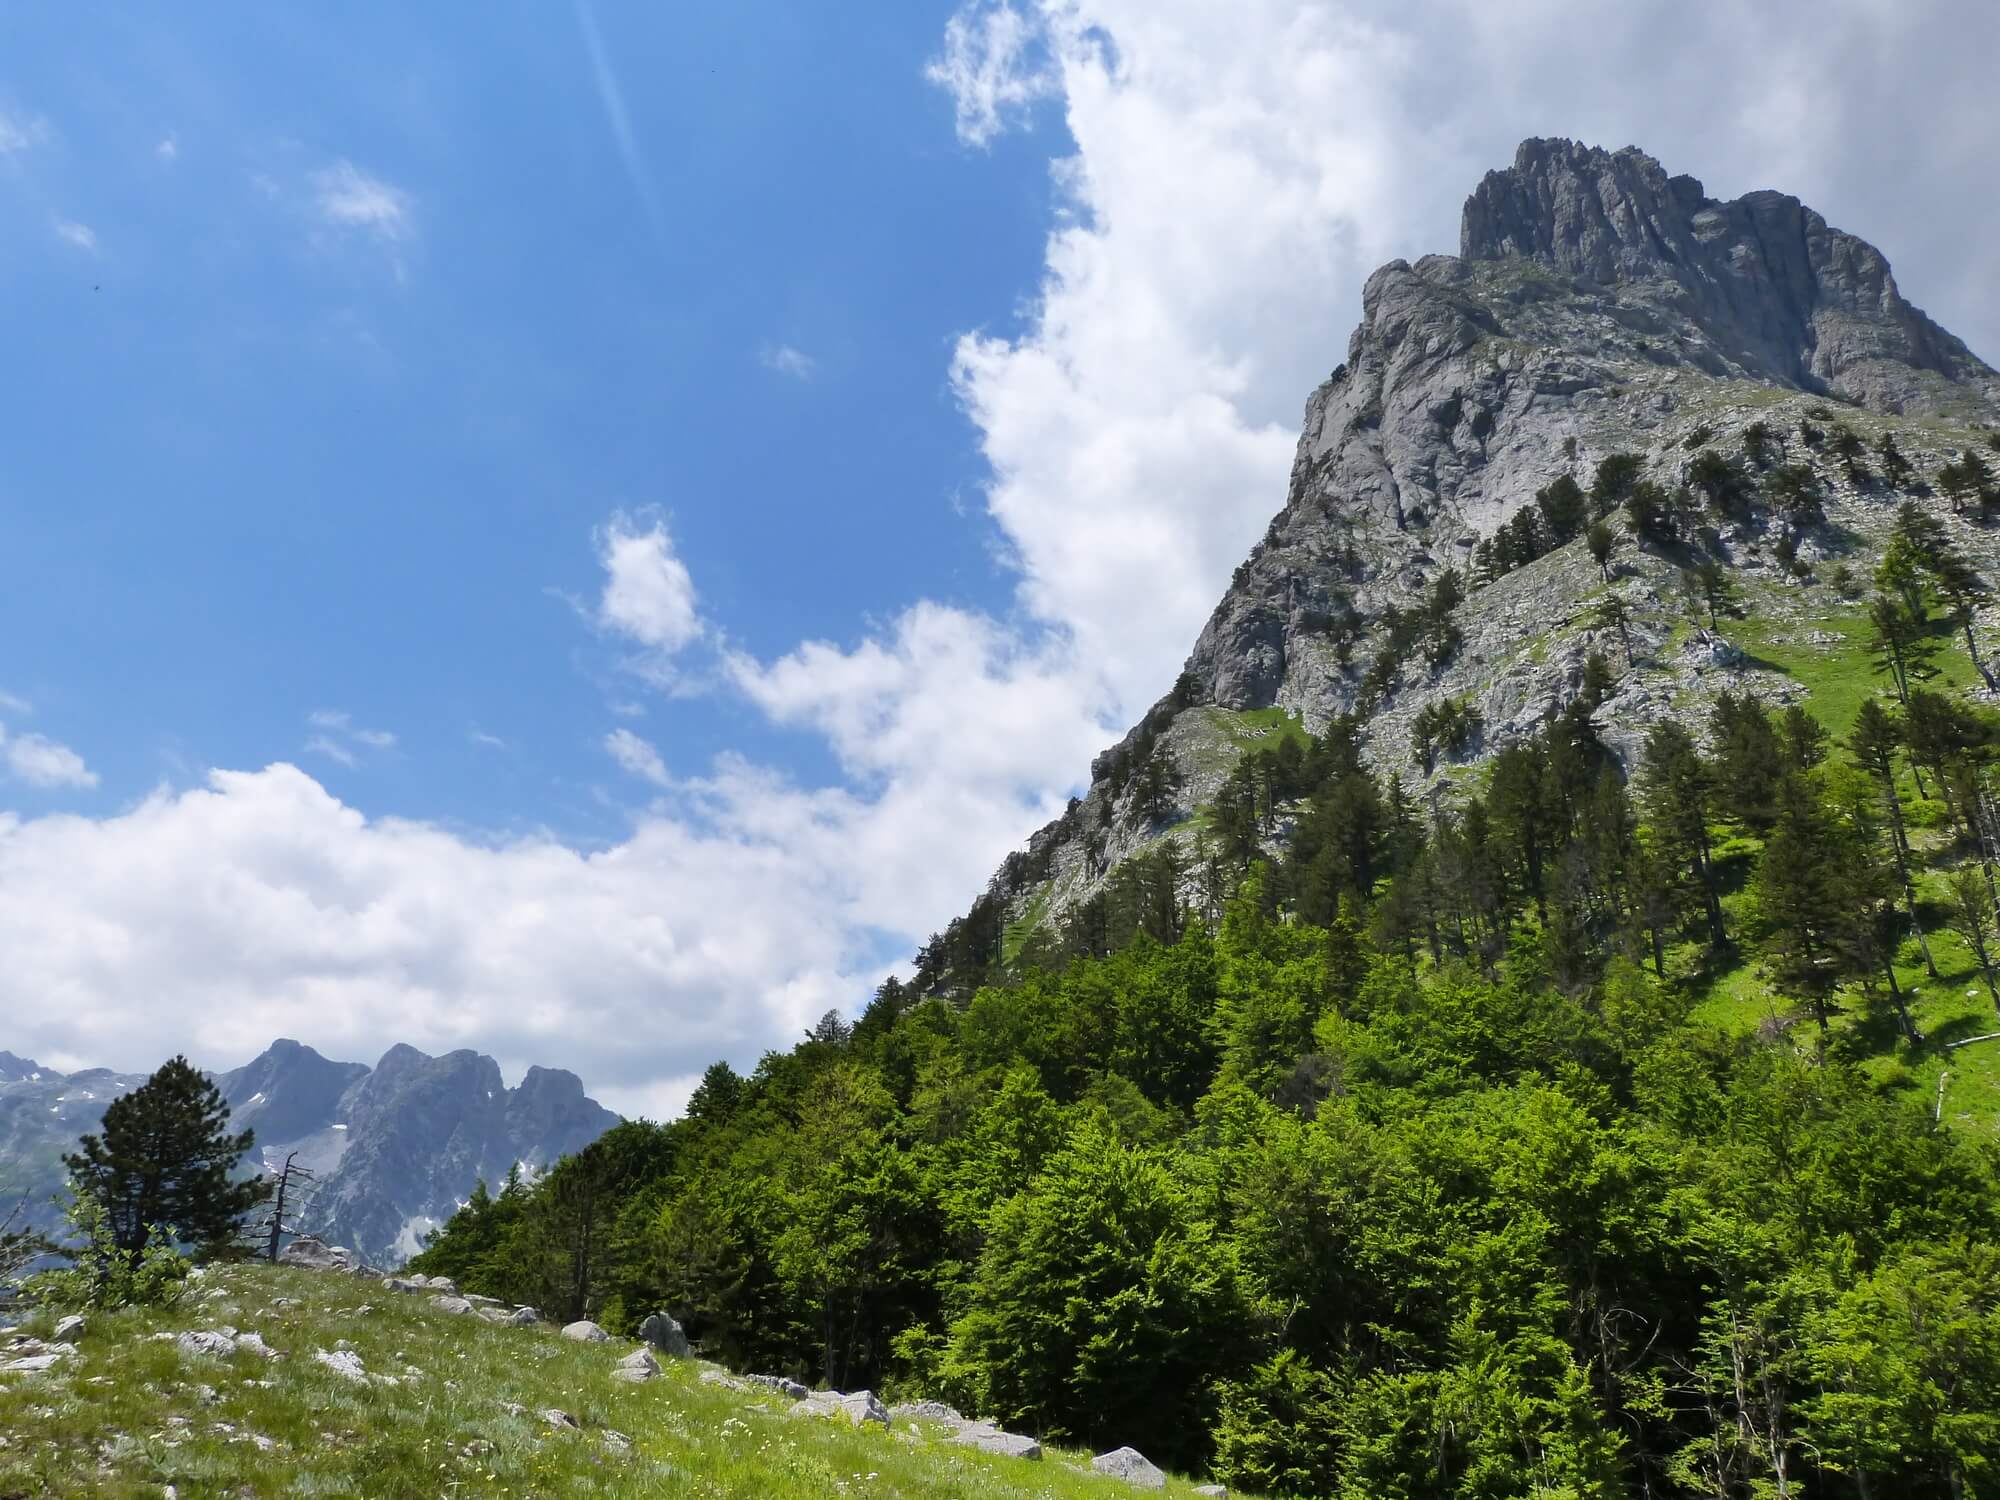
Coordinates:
(1763,278)
(1590,212)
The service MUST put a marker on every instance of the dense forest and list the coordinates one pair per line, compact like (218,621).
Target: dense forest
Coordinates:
(1387,1149)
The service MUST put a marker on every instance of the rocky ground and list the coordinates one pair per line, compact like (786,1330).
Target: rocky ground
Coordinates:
(325,1379)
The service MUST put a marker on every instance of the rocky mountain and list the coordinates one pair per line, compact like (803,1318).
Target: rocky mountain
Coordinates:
(1598,309)
(395,1147)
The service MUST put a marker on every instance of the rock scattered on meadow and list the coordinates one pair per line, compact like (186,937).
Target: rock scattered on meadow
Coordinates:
(212,1342)
(343,1362)
(1132,1466)
(585,1332)
(666,1335)
(636,1366)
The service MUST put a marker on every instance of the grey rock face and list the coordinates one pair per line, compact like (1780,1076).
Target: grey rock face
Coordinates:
(790,1389)
(1790,299)
(666,1335)
(69,1329)
(1599,305)
(1130,1465)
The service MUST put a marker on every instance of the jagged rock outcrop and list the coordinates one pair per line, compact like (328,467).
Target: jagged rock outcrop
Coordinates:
(1783,295)
(1598,306)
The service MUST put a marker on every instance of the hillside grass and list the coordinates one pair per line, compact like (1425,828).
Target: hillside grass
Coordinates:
(129,1415)
(1839,677)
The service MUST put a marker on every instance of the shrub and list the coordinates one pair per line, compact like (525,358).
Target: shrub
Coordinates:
(103,1275)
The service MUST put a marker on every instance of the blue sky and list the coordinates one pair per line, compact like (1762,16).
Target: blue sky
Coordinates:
(587,532)
(284,461)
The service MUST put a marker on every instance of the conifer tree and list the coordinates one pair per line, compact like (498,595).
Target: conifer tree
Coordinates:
(1875,741)
(166,1160)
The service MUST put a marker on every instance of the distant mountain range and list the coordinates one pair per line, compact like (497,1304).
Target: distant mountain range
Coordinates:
(396,1147)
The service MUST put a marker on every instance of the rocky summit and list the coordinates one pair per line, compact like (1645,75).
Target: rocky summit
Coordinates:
(1598,309)
(395,1148)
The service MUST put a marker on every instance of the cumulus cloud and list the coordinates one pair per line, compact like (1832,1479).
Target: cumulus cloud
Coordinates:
(80,235)
(258,905)
(785,360)
(648,594)
(43,762)
(168,149)
(637,756)
(348,198)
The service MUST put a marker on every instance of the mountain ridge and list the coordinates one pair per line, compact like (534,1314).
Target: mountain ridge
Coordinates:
(396,1148)
(1600,308)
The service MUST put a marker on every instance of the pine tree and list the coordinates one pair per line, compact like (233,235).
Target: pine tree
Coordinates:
(1875,741)
(1710,582)
(1971,918)
(166,1161)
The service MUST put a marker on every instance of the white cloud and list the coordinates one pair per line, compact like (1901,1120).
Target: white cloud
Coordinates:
(480,737)
(993,68)
(43,762)
(15,705)
(19,132)
(333,750)
(648,594)
(637,756)
(348,198)
(80,235)
(341,740)
(168,149)
(786,360)
(619,118)
(214,919)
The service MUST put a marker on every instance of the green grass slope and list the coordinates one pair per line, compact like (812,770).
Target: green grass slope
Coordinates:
(131,1415)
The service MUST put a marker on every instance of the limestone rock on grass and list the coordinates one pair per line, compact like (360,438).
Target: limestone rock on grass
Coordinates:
(987,1438)
(451,1304)
(636,1366)
(1132,1466)
(584,1332)
(343,1362)
(68,1330)
(666,1335)
(199,1342)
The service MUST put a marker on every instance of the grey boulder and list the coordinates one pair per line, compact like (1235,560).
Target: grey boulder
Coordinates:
(990,1439)
(666,1335)
(451,1304)
(1132,1466)
(584,1332)
(203,1341)
(69,1330)
(636,1366)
